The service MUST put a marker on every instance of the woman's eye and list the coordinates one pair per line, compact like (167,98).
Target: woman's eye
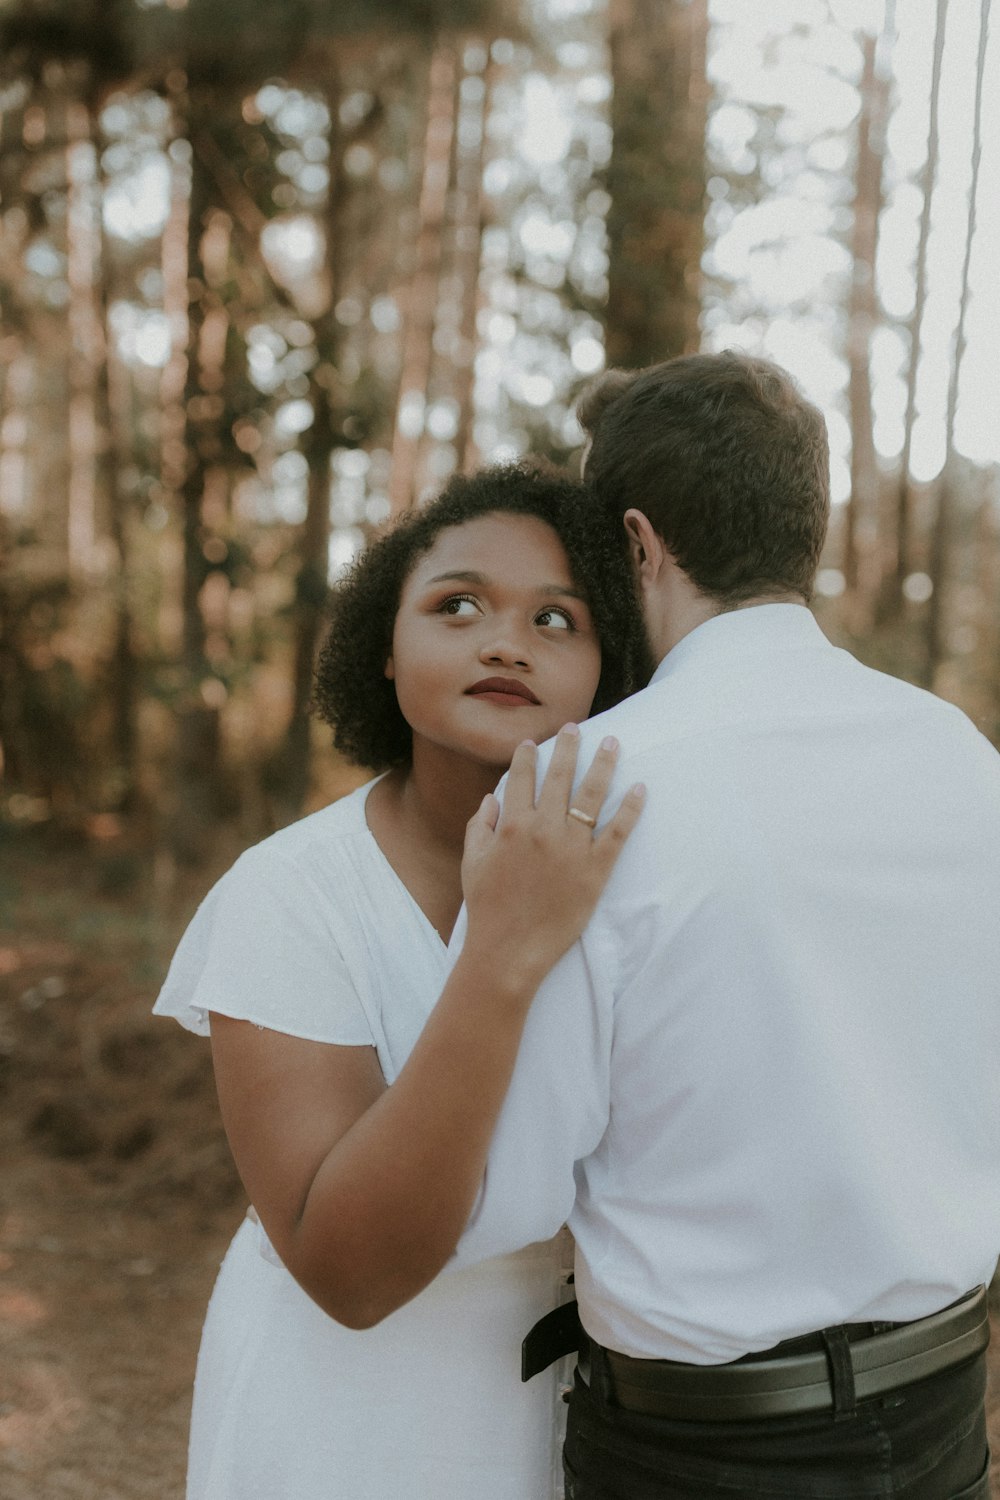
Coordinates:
(459,605)
(557,619)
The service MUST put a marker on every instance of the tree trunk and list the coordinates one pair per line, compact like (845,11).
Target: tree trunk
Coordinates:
(902,544)
(421,301)
(310,597)
(451,375)
(860,512)
(941,535)
(124,663)
(656,179)
(198,727)
(312,579)
(468,254)
(86,346)
(111,420)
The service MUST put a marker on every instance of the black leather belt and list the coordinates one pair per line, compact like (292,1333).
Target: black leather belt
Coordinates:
(762,1387)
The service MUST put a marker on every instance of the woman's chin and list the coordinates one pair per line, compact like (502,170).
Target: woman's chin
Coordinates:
(491,751)
(492,745)
(498,750)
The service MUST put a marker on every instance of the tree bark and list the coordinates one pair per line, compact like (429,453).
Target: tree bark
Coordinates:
(311,584)
(656,179)
(421,301)
(468,254)
(199,801)
(86,346)
(902,542)
(860,512)
(941,535)
(111,404)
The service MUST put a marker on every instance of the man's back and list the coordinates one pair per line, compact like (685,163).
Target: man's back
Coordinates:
(774,1055)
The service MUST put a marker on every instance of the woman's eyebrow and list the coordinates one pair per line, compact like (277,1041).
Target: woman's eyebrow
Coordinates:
(458,577)
(546,589)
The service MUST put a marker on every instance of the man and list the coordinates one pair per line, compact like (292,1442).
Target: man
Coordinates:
(763,1088)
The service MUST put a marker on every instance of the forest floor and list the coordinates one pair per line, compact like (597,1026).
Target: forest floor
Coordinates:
(117,1196)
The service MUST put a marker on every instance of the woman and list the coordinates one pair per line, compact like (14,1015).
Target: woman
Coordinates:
(476,628)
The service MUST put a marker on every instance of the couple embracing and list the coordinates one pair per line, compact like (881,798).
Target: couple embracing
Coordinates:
(722,997)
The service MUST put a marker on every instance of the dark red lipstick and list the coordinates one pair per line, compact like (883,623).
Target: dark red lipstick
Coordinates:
(505,691)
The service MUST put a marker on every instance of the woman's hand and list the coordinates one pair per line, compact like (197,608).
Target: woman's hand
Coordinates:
(533,872)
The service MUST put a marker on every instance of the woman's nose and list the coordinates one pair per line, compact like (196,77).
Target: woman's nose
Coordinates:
(504,650)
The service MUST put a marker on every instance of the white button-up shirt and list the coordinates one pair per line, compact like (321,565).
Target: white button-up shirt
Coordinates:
(764,1088)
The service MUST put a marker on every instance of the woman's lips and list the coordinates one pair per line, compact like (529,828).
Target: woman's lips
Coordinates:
(505,692)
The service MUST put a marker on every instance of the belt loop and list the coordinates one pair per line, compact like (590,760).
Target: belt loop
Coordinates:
(838,1353)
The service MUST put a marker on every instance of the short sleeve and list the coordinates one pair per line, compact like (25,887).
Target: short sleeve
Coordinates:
(262,947)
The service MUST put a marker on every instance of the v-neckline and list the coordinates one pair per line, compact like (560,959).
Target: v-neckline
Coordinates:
(394,874)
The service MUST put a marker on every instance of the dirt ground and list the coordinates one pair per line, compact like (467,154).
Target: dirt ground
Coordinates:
(117,1197)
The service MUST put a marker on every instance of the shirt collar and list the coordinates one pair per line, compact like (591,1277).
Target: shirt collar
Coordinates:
(758,629)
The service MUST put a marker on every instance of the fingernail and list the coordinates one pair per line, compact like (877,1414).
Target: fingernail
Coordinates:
(639,789)
(571,729)
(530,743)
(609,743)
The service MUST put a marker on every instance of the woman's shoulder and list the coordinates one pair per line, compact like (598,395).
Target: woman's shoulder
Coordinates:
(316,840)
(266,942)
(298,878)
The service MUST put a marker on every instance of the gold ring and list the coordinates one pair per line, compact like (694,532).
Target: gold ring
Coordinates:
(582,817)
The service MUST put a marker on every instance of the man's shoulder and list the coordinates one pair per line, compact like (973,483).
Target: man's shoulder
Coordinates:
(691,730)
(636,722)
(896,695)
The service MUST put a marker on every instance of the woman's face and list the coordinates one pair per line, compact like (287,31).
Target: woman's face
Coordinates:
(493,642)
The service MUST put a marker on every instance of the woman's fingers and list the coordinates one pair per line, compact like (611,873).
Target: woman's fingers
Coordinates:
(519,794)
(553,795)
(531,886)
(559,803)
(482,825)
(608,844)
(587,800)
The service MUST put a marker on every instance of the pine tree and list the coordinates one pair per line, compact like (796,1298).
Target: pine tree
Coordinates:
(656,178)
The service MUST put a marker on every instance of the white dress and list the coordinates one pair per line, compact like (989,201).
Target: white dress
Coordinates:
(312,933)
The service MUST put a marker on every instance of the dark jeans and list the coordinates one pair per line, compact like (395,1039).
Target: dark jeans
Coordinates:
(926,1441)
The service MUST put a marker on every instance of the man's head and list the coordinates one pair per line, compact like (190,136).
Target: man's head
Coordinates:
(729,463)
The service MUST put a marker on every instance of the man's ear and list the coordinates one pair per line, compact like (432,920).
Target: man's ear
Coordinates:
(645,545)
(390,668)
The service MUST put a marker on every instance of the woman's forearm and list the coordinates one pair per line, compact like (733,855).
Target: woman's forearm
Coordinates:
(388,1203)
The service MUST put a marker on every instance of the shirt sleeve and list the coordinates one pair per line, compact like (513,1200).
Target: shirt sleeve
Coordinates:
(558,1105)
(555,1113)
(262,947)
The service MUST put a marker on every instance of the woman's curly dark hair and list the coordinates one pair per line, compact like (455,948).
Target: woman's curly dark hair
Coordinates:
(352,692)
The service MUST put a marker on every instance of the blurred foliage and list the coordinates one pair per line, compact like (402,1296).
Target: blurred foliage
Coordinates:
(269,273)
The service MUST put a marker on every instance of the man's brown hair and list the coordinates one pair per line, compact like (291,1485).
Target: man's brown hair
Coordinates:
(726,458)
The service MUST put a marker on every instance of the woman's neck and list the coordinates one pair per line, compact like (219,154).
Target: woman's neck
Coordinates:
(418,818)
(439,793)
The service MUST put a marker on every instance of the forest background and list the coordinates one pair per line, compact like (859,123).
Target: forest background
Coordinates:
(269,273)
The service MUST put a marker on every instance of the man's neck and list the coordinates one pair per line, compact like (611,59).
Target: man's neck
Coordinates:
(684,612)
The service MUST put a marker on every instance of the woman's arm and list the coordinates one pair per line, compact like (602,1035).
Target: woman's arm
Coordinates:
(363,1189)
